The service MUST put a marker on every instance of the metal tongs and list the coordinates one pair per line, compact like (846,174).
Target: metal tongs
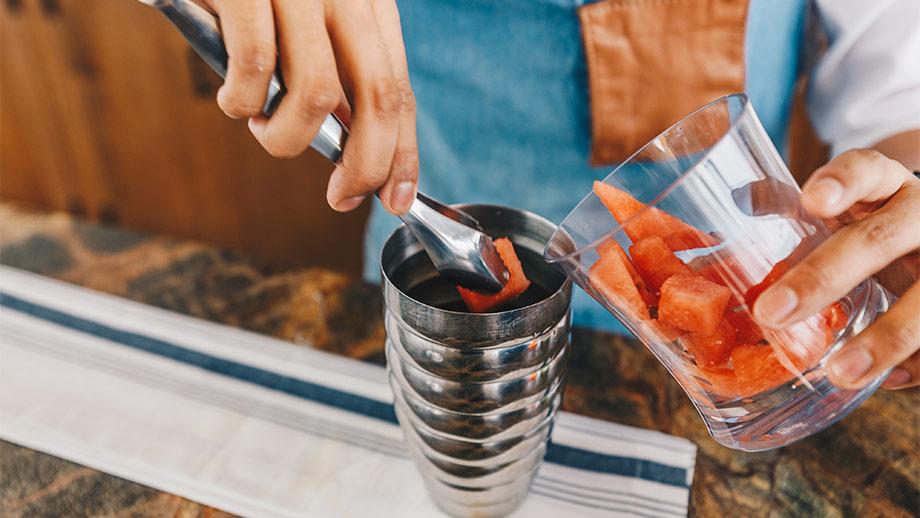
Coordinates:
(453,239)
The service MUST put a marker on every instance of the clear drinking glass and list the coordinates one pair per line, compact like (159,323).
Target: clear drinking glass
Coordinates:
(713,194)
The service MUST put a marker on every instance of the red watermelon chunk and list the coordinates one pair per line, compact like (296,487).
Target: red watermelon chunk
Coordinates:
(665,332)
(757,369)
(639,223)
(746,330)
(779,269)
(711,272)
(607,247)
(656,262)
(612,279)
(479,302)
(723,269)
(688,240)
(693,303)
(714,349)
(835,316)
(721,380)
(610,246)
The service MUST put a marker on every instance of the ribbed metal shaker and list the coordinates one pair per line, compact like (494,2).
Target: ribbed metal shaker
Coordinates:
(476,395)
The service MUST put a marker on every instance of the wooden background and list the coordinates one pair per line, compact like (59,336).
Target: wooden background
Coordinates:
(107,113)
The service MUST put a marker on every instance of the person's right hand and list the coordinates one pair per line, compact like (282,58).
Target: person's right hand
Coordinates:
(341,56)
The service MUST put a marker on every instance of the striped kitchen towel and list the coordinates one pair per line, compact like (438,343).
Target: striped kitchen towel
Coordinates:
(260,427)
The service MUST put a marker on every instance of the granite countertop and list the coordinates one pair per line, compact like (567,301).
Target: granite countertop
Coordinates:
(867,465)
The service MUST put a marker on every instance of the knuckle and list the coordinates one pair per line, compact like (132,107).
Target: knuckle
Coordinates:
(878,234)
(375,177)
(866,155)
(895,337)
(406,95)
(372,178)
(254,59)
(364,174)
(405,163)
(385,97)
(319,100)
(859,160)
(848,165)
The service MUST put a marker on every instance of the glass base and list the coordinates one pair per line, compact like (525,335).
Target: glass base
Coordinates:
(798,418)
(795,411)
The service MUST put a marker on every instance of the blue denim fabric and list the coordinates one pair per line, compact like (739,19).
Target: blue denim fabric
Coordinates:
(503,112)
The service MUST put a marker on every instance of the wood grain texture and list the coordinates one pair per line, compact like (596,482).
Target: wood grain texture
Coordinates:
(107,113)
(867,465)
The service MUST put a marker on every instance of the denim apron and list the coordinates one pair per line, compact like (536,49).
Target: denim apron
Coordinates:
(503,111)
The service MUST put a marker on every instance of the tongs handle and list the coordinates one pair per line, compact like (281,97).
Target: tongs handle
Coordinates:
(202,30)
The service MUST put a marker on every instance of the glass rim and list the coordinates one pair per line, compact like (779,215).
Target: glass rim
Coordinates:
(664,193)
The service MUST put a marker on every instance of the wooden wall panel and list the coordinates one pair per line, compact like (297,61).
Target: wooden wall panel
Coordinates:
(107,112)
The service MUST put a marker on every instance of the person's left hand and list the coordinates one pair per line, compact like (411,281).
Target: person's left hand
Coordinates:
(880,241)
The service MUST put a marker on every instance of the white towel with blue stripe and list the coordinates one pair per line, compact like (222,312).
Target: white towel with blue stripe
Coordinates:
(260,427)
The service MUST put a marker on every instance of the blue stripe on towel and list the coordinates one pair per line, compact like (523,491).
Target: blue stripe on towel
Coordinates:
(288,385)
(556,453)
(626,466)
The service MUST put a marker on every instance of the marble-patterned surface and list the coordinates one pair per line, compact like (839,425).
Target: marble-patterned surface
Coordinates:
(867,465)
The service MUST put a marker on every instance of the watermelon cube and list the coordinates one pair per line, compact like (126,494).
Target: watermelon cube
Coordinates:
(693,303)
(711,350)
(710,271)
(656,262)
(610,246)
(746,330)
(612,279)
(757,369)
(665,332)
(725,269)
(640,221)
(779,269)
(721,380)
(479,302)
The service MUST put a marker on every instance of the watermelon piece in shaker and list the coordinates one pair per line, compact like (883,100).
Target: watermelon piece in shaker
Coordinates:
(479,302)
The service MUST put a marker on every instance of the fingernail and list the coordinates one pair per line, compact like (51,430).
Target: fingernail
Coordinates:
(776,304)
(828,191)
(851,364)
(402,196)
(898,377)
(349,203)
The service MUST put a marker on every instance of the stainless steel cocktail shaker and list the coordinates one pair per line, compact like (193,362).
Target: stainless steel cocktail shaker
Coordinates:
(476,394)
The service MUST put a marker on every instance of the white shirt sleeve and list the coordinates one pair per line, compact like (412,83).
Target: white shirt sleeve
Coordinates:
(866,87)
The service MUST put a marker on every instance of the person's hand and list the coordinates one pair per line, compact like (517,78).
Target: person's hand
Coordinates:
(880,241)
(341,56)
